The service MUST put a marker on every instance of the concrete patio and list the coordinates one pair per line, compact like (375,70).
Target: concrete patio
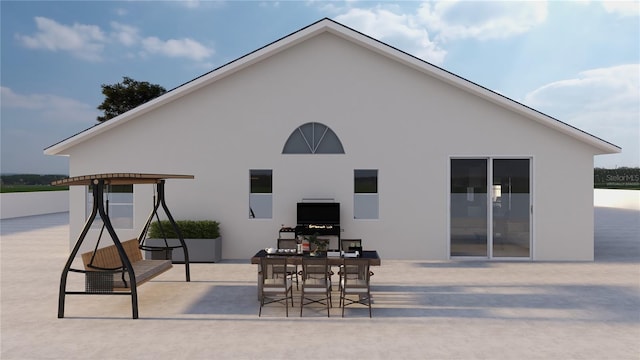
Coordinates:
(422,310)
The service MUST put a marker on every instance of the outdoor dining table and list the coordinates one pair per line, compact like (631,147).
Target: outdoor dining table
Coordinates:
(296,259)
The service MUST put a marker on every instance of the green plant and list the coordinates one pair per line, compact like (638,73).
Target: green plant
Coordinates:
(321,244)
(190,229)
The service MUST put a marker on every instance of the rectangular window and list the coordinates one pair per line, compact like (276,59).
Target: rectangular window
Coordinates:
(365,197)
(118,203)
(260,194)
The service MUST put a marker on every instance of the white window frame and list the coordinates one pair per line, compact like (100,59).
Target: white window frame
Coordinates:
(532,218)
(373,199)
(257,199)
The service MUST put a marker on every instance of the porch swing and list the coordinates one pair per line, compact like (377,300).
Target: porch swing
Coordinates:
(118,269)
(161,252)
(100,273)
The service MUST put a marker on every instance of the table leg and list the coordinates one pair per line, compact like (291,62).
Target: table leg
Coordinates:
(259,287)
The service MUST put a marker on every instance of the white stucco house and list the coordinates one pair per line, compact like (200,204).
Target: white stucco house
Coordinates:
(424,164)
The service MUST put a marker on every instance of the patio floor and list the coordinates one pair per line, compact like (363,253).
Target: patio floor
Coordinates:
(422,309)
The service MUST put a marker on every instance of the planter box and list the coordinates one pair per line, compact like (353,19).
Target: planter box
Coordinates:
(200,250)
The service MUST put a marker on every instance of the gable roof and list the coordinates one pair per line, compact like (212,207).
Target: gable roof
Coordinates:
(354,36)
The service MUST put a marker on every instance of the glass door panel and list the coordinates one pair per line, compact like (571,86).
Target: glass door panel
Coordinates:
(511,208)
(469,215)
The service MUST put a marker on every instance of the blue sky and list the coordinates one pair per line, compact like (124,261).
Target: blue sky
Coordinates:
(578,61)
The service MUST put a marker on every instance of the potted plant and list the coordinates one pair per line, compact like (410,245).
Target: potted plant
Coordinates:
(318,246)
(202,238)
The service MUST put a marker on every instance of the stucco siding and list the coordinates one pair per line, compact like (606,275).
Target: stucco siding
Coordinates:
(389,117)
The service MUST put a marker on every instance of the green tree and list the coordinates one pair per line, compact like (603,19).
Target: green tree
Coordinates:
(124,96)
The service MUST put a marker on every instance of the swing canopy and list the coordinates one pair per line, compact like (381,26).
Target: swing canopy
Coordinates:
(119,179)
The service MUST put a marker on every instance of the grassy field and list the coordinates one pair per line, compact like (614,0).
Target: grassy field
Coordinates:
(29,182)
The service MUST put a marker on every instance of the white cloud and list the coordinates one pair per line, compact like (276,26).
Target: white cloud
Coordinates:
(422,31)
(88,42)
(83,41)
(125,34)
(191,4)
(121,11)
(399,30)
(50,108)
(613,88)
(200,4)
(622,7)
(267,4)
(604,102)
(186,48)
(481,19)
(177,48)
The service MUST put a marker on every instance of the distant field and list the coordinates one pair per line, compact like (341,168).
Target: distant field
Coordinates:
(30,188)
(29,183)
(621,178)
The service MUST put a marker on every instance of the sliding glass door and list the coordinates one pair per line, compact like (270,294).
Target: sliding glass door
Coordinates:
(469,210)
(490,208)
(511,208)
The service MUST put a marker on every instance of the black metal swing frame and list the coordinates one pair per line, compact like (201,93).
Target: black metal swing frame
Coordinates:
(101,276)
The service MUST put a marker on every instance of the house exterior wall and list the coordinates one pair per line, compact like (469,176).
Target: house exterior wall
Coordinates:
(388,116)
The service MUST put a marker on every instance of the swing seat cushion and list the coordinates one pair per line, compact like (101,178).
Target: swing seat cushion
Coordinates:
(144,270)
(108,258)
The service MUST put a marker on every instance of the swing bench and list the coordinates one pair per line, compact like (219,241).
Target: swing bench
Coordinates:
(119,269)
(104,268)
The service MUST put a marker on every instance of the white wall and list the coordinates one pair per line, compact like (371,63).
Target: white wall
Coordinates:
(621,199)
(389,117)
(33,203)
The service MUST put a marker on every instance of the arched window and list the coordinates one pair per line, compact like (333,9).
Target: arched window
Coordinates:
(313,138)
